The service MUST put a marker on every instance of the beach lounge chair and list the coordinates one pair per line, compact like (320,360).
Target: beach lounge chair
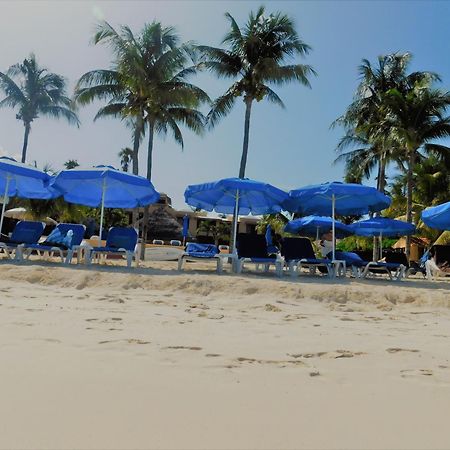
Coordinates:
(157,242)
(25,232)
(299,253)
(252,248)
(175,243)
(63,241)
(120,241)
(362,269)
(201,252)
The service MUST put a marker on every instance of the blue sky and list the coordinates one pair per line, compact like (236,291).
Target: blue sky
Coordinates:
(288,148)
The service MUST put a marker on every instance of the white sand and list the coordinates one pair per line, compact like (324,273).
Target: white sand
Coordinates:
(152,359)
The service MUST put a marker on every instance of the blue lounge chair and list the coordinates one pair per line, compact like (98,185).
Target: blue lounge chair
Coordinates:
(362,269)
(252,248)
(25,232)
(202,252)
(120,241)
(299,253)
(64,248)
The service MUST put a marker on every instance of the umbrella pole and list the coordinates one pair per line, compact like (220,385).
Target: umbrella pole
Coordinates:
(102,213)
(333,206)
(5,200)
(381,245)
(235,222)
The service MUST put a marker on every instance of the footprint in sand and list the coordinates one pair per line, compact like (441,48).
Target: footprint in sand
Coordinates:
(332,355)
(271,308)
(212,355)
(129,341)
(416,372)
(273,362)
(398,349)
(181,347)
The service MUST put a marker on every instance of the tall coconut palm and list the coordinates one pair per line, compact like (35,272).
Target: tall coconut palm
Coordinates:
(35,92)
(255,57)
(362,120)
(417,119)
(147,84)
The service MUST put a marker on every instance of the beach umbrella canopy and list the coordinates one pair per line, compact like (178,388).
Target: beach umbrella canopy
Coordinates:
(333,198)
(105,187)
(314,226)
(437,216)
(240,196)
(382,226)
(20,180)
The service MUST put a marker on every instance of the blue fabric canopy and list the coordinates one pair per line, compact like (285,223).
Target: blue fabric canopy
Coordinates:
(437,216)
(117,189)
(238,196)
(316,225)
(253,197)
(350,199)
(329,199)
(20,180)
(106,187)
(382,226)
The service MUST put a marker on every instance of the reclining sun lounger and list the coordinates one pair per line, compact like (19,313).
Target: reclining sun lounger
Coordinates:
(201,252)
(64,241)
(362,269)
(252,248)
(299,253)
(120,241)
(25,232)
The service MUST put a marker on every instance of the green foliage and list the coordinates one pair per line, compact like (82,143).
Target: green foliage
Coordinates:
(35,92)
(276,221)
(256,56)
(352,243)
(147,83)
(71,164)
(218,230)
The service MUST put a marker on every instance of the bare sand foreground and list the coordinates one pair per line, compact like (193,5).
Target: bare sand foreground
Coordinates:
(152,359)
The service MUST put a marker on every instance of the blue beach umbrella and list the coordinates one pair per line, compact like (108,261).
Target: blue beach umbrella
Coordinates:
(437,216)
(382,227)
(329,199)
(240,196)
(314,226)
(106,187)
(185,227)
(20,180)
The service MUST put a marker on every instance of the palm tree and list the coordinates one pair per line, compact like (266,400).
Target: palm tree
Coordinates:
(36,92)
(417,119)
(148,84)
(255,57)
(126,156)
(371,144)
(71,164)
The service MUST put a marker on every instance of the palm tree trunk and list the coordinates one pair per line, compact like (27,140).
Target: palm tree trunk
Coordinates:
(135,162)
(151,129)
(381,184)
(248,109)
(409,191)
(25,141)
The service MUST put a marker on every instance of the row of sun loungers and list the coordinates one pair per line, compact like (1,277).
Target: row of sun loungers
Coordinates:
(66,241)
(295,255)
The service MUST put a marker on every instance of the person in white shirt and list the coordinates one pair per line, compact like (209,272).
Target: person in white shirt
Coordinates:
(326,244)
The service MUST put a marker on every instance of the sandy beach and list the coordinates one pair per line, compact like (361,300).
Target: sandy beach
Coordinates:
(149,358)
